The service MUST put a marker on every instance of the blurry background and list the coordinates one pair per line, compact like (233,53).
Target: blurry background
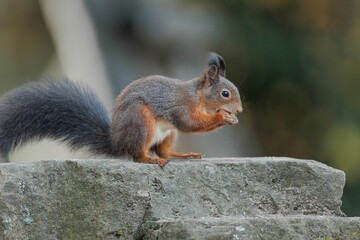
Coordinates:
(297,65)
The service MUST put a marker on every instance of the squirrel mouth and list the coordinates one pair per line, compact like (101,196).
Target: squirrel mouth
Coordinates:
(224,110)
(216,110)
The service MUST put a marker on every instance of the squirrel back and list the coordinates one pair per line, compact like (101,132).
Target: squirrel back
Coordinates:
(58,109)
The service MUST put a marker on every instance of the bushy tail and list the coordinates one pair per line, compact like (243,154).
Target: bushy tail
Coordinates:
(55,109)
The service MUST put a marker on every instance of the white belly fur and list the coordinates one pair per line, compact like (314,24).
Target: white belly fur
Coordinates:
(162,130)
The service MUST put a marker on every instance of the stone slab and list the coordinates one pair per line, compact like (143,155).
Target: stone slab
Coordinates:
(100,199)
(256,228)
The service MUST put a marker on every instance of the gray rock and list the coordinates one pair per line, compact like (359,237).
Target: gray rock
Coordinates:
(257,228)
(112,199)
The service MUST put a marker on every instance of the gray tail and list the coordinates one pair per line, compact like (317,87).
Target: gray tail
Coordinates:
(56,109)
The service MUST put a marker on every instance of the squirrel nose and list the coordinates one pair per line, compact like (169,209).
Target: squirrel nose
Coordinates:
(239,110)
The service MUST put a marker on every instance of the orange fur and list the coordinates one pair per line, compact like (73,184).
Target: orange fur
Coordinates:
(204,122)
(164,149)
(149,120)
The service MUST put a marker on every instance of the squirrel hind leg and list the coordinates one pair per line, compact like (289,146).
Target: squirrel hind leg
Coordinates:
(142,140)
(165,149)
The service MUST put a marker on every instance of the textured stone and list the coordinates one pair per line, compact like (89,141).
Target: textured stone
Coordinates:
(257,228)
(112,199)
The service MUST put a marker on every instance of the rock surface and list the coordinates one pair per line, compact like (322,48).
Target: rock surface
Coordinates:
(258,228)
(269,198)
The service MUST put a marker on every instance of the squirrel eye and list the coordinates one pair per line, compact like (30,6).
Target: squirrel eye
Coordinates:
(225,94)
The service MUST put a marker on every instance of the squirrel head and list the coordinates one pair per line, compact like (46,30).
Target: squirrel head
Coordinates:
(218,93)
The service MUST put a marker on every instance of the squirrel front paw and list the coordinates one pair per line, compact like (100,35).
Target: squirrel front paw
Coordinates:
(228,118)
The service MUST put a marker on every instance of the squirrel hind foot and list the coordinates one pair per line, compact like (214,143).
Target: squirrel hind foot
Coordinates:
(194,155)
(160,161)
(184,155)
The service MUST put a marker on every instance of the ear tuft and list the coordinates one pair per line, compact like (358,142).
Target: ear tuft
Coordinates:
(212,73)
(218,61)
(210,77)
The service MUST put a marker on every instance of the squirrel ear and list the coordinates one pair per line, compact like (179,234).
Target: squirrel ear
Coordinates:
(218,61)
(211,75)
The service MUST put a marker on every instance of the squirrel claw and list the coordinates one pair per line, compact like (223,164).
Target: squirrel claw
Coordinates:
(191,155)
(196,155)
(162,162)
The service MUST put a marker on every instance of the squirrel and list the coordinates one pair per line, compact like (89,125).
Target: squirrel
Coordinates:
(146,116)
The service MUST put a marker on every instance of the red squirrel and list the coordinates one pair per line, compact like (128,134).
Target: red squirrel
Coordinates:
(146,117)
